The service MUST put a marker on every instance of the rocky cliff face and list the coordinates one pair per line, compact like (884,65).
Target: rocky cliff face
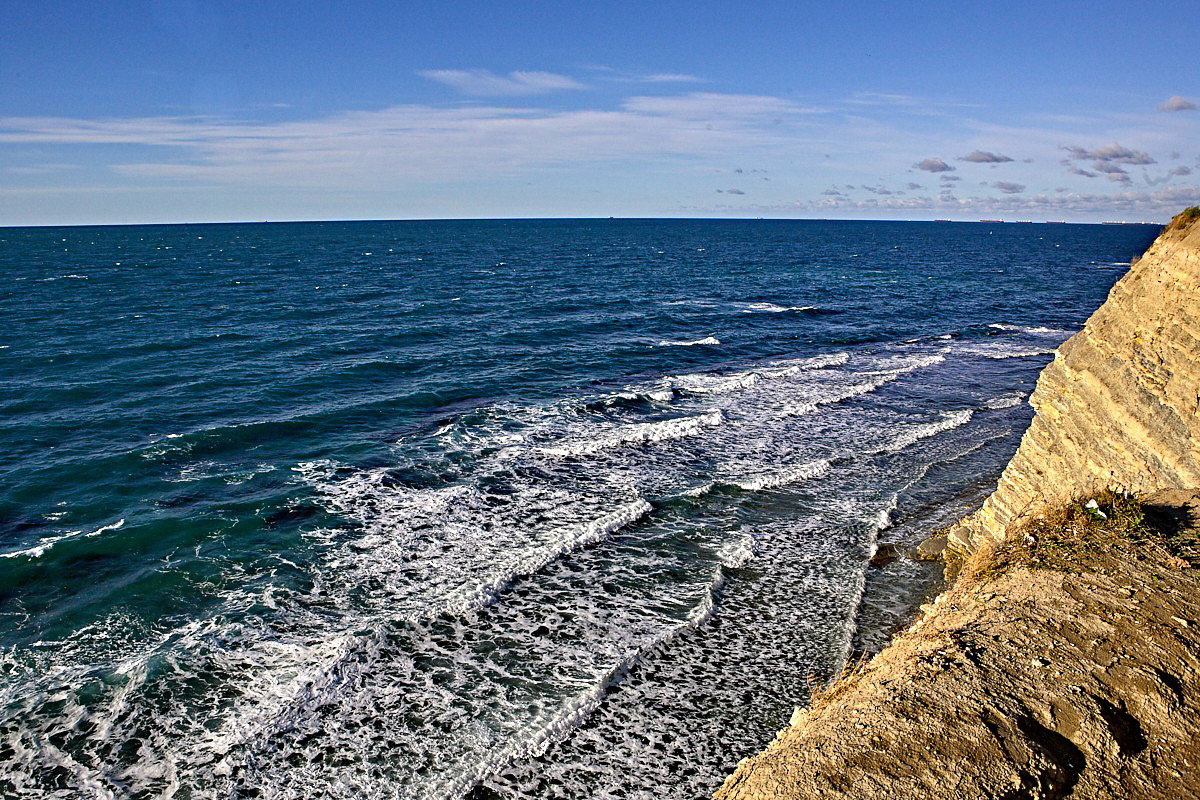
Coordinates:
(1119,407)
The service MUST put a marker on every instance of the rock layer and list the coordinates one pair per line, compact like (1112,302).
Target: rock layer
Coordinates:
(1119,407)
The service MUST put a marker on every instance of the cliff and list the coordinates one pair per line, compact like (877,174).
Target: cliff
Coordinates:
(1120,404)
(1065,660)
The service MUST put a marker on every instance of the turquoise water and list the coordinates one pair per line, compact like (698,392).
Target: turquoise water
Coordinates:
(500,509)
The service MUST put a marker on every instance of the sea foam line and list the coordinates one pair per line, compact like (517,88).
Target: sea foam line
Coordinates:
(639,433)
(949,421)
(772,308)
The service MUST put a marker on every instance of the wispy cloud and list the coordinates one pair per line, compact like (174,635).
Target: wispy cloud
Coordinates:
(1177,103)
(1112,171)
(482,83)
(1008,187)
(425,143)
(713,105)
(668,77)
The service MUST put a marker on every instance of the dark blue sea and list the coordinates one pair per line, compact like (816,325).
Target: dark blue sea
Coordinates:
(497,509)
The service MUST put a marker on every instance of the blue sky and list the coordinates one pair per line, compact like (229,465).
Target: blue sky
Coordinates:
(201,111)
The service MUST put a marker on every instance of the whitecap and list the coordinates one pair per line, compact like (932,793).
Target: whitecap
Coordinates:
(1005,401)
(706,340)
(773,480)
(772,308)
(47,542)
(949,421)
(638,434)
(1037,330)
(1002,350)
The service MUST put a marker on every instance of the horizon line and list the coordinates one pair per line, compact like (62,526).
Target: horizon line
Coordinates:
(569,219)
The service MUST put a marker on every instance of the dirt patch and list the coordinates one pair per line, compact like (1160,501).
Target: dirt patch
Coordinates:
(1063,664)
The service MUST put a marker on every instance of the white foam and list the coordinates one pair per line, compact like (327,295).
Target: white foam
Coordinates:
(712,340)
(110,527)
(1037,330)
(949,421)
(710,383)
(772,480)
(737,553)
(488,591)
(772,308)
(639,433)
(1005,401)
(1002,350)
(47,542)
(715,384)
(39,549)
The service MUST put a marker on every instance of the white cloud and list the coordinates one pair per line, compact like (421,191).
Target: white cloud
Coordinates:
(1176,103)
(483,83)
(1008,187)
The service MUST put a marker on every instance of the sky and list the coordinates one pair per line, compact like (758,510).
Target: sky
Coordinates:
(205,110)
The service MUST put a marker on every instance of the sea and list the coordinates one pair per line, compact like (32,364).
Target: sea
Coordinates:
(485,509)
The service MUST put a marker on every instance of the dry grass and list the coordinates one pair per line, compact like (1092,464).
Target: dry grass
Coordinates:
(824,694)
(1184,218)
(1067,539)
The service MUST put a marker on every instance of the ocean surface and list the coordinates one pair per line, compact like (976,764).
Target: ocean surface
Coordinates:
(508,509)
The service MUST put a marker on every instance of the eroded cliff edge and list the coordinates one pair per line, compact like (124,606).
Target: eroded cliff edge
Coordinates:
(1062,664)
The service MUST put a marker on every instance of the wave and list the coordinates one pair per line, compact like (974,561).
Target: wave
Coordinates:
(638,434)
(772,308)
(1037,330)
(949,421)
(710,383)
(540,734)
(1005,401)
(48,542)
(773,480)
(1002,350)
(706,340)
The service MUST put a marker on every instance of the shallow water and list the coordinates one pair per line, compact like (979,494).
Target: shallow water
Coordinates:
(517,509)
